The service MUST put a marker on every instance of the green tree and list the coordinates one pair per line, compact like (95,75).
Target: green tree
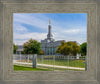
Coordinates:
(32,47)
(60,46)
(15,47)
(83,47)
(68,48)
(41,52)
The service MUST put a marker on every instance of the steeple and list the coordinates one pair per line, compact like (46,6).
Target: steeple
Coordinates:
(49,36)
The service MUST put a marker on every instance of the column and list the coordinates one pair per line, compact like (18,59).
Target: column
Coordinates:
(49,50)
(34,60)
(52,50)
(45,50)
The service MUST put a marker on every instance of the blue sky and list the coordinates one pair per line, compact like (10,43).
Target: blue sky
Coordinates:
(65,26)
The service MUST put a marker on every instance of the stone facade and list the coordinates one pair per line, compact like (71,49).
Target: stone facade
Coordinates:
(49,45)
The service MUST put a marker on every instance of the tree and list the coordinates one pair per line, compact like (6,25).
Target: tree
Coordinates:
(68,48)
(59,47)
(41,52)
(15,47)
(83,47)
(32,47)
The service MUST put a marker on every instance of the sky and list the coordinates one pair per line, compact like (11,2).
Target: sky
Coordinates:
(65,26)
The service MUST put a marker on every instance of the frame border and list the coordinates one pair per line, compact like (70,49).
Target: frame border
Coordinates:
(8,8)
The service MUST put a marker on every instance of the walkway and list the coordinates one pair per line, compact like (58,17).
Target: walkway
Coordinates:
(47,65)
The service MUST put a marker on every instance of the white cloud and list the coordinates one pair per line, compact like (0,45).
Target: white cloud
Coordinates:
(31,20)
(72,31)
(22,38)
(22,34)
(19,28)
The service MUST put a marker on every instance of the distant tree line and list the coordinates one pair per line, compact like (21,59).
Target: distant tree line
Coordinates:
(66,48)
(83,49)
(15,47)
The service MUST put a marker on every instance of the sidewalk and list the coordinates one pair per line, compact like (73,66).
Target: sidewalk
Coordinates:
(47,65)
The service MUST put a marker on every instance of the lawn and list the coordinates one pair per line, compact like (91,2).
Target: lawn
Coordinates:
(64,62)
(70,63)
(24,68)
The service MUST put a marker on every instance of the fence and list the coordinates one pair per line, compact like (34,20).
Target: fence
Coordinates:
(53,62)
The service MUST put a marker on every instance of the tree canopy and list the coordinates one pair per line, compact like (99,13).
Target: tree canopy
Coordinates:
(15,47)
(68,48)
(32,47)
(41,52)
(83,47)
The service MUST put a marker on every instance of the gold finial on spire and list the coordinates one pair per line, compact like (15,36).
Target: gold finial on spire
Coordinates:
(49,21)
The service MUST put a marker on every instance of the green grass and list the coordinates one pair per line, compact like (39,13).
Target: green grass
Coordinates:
(24,68)
(70,63)
(59,69)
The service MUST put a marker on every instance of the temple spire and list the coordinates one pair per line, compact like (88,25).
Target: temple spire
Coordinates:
(49,36)
(49,21)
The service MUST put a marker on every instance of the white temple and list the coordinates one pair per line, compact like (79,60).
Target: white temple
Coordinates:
(49,45)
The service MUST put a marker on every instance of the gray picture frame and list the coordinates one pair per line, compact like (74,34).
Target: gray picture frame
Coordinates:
(9,76)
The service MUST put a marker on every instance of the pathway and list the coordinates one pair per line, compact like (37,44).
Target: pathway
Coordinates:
(47,65)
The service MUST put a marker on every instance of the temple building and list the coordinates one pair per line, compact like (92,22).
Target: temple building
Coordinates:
(49,45)
(20,49)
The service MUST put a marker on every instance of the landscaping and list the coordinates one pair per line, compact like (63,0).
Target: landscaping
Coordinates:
(70,63)
(24,68)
